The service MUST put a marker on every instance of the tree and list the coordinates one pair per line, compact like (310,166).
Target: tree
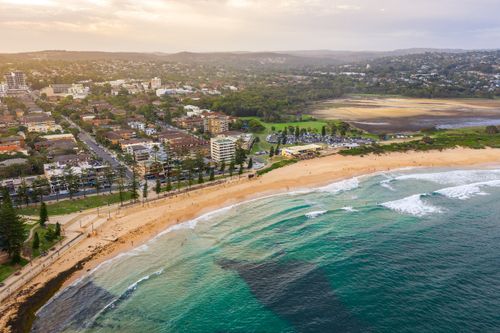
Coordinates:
(44,215)
(39,188)
(323,131)
(145,190)
(222,167)
(83,181)
(57,232)
(133,189)
(190,177)
(271,152)
(169,184)
(343,128)
(97,184)
(231,168)
(121,184)
(179,176)
(36,241)
(110,178)
(12,229)
(71,181)
(240,171)
(200,177)
(23,193)
(297,132)
(333,128)
(492,130)
(240,156)
(212,174)
(250,163)
(158,186)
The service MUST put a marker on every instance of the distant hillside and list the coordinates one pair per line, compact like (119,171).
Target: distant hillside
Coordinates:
(238,59)
(356,56)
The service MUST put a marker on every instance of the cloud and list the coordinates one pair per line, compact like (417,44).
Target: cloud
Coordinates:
(218,25)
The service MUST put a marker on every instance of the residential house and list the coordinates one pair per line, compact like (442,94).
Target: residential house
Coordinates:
(41,123)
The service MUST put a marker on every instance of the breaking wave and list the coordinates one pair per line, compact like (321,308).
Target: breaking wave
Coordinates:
(313,215)
(467,191)
(412,205)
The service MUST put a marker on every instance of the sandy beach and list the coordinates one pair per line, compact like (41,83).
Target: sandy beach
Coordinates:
(135,225)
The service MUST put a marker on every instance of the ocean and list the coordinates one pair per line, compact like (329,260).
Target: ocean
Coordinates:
(415,250)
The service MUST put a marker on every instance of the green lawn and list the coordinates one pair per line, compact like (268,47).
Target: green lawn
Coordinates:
(313,124)
(45,244)
(75,205)
(308,123)
(7,269)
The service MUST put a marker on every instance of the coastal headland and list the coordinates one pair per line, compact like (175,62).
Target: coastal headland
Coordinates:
(133,226)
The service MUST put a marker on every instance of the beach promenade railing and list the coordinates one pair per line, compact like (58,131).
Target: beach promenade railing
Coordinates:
(35,267)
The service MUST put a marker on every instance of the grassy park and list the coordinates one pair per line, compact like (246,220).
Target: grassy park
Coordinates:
(75,205)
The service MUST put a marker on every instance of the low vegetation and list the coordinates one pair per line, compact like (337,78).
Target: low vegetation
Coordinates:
(437,140)
(276,165)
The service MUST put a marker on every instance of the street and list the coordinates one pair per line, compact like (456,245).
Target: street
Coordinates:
(100,151)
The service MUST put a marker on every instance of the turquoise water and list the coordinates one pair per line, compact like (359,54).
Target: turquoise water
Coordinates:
(405,251)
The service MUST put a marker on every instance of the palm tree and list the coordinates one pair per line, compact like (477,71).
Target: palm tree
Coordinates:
(110,178)
(23,193)
(97,184)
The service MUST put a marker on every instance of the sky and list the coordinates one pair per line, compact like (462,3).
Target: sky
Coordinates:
(247,25)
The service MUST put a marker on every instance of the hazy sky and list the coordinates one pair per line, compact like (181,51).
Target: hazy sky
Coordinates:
(253,25)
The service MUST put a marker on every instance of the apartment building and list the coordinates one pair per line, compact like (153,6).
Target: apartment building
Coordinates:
(223,148)
(216,124)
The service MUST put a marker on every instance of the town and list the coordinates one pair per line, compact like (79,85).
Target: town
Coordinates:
(66,141)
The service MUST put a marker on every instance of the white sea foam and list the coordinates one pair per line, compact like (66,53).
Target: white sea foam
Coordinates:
(313,215)
(349,209)
(413,205)
(464,192)
(387,184)
(341,186)
(458,177)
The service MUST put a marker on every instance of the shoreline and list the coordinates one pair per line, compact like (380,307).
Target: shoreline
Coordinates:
(134,226)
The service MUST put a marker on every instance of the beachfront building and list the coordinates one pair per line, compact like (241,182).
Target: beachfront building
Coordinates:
(301,151)
(85,173)
(223,148)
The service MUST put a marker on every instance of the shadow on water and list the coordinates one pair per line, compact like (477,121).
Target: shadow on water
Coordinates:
(72,309)
(297,292)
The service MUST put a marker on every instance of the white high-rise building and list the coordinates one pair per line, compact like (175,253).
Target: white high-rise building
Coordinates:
(223,148)
(155,83)
(16,80)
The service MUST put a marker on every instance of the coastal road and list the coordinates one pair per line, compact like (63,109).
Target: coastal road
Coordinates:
(98,149)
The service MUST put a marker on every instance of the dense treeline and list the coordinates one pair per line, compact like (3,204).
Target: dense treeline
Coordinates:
(273,103)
